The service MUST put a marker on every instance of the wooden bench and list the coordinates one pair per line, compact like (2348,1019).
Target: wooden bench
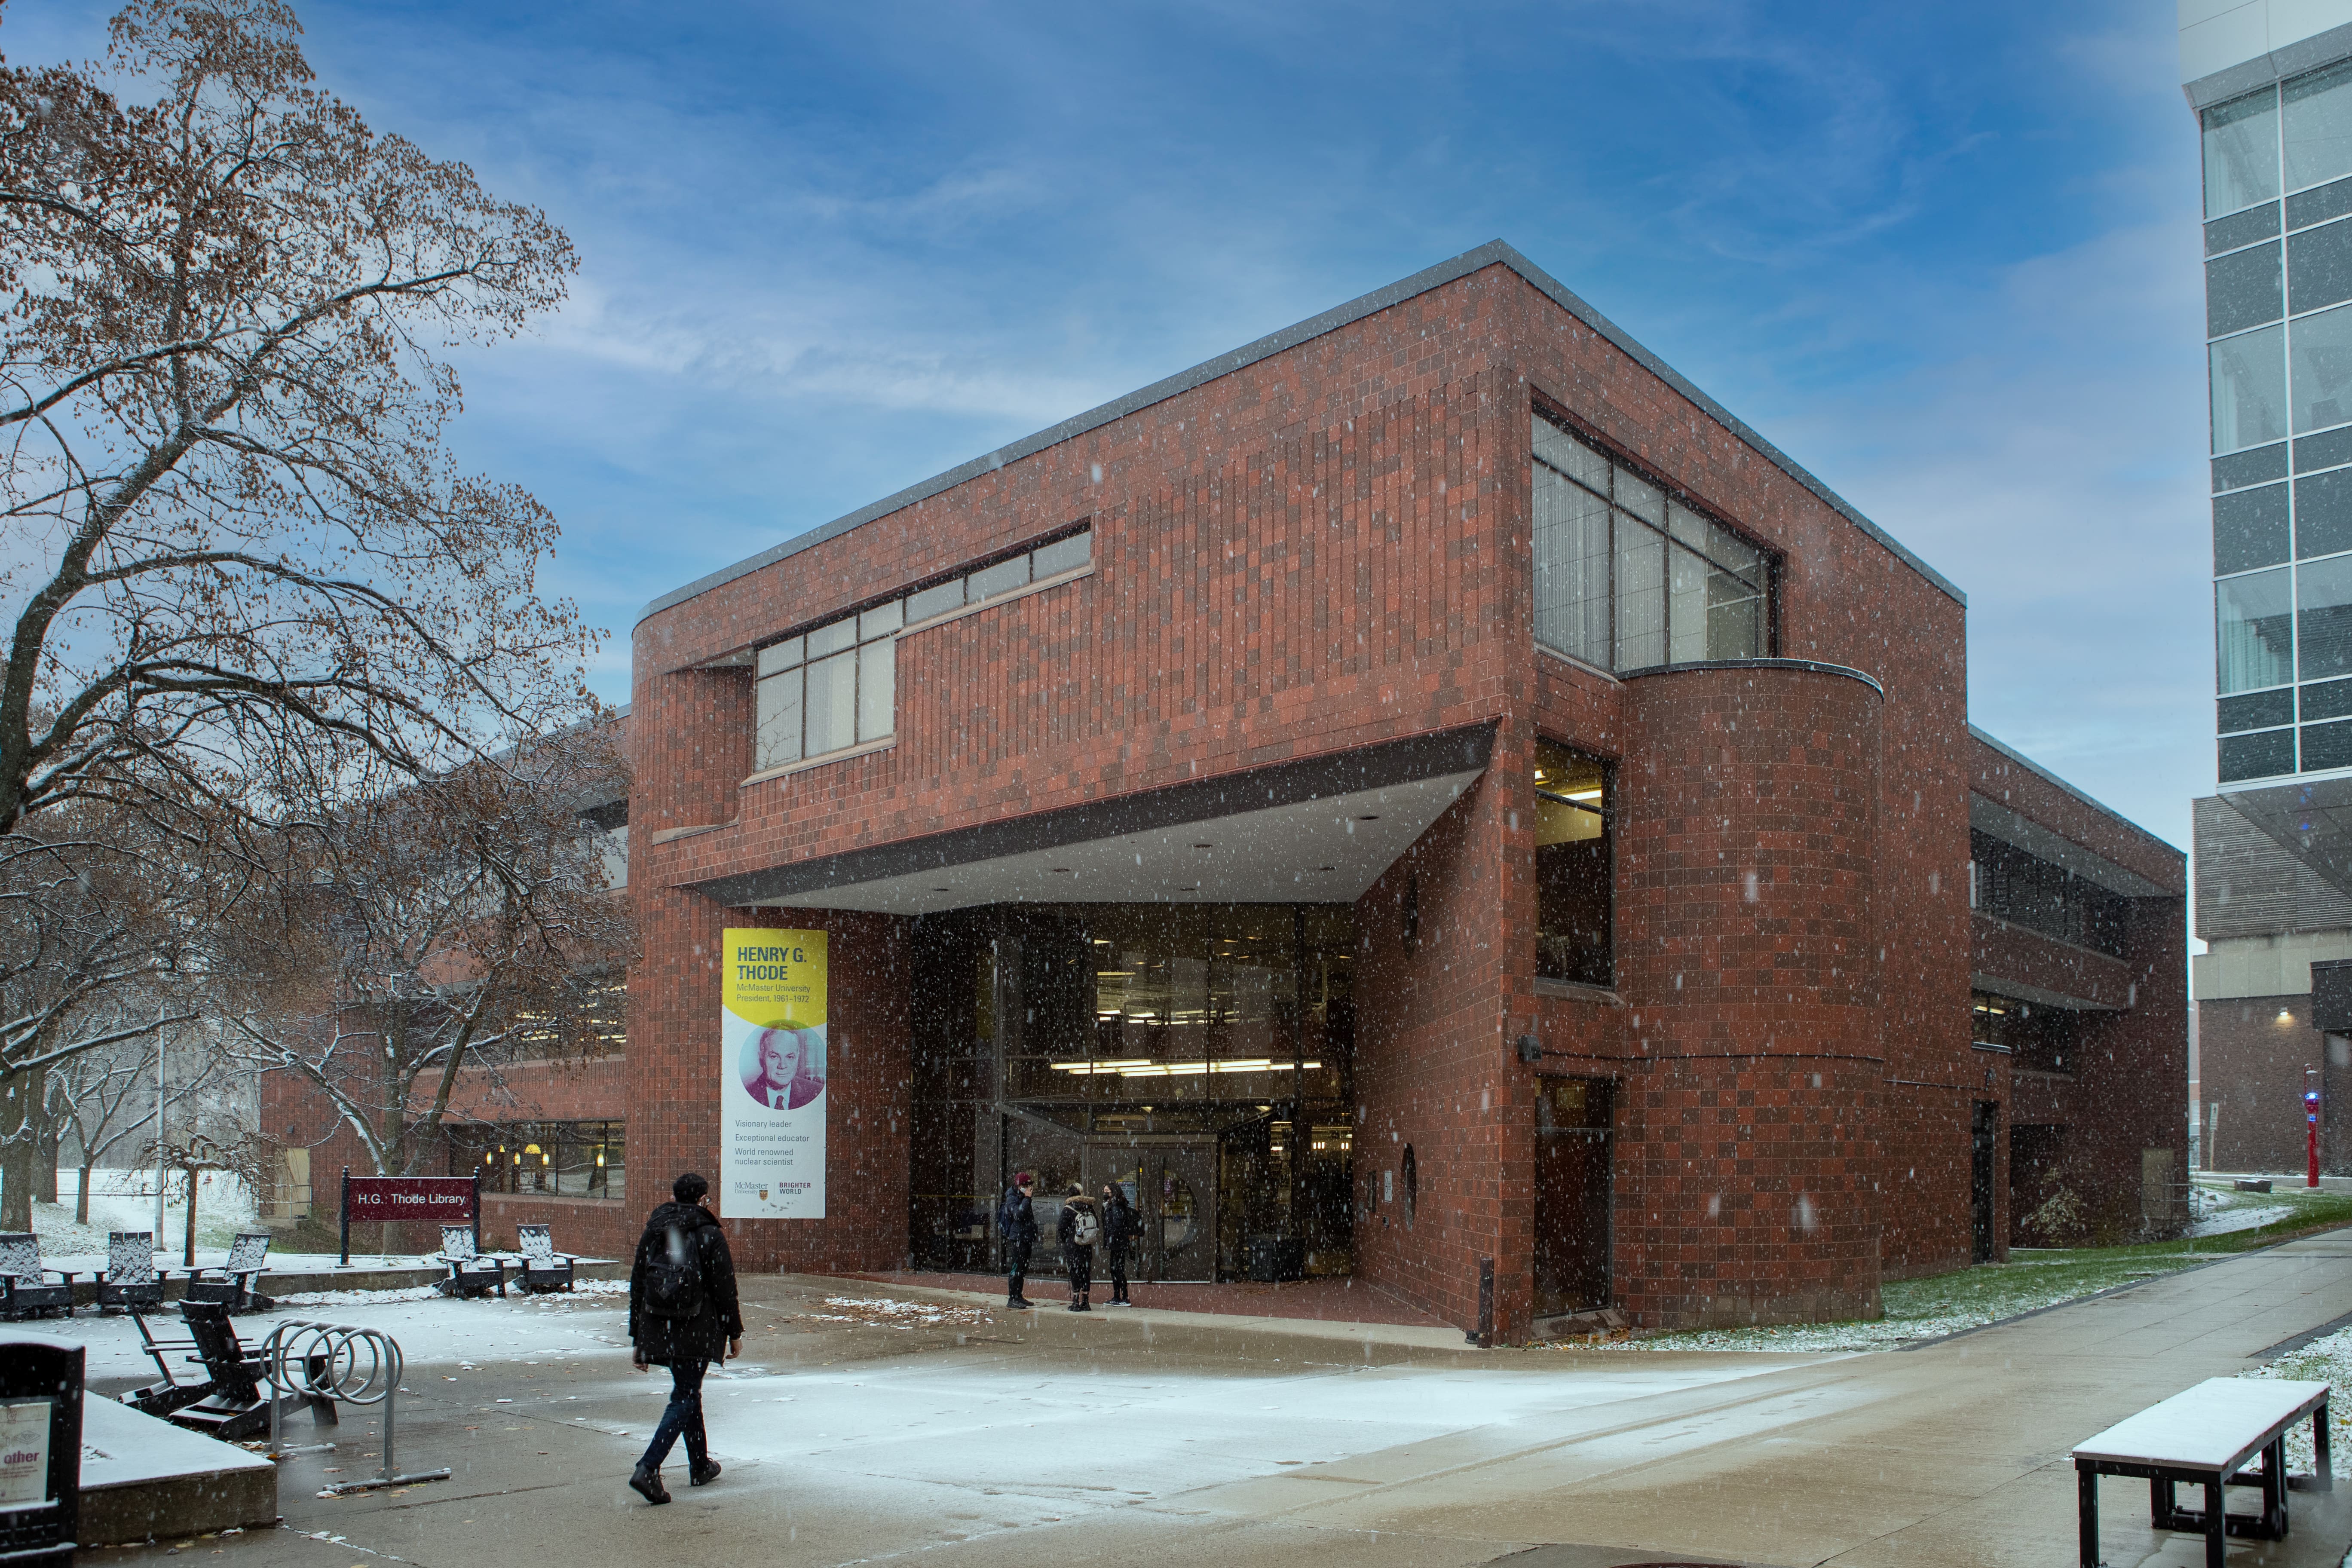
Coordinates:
(2205,1436)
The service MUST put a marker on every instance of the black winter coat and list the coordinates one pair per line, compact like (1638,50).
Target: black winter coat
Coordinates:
(663,1341)
(1121,1223)
(1018,1218)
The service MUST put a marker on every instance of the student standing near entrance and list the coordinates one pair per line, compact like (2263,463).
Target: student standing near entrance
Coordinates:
(1119,1229)
(1080,1228)
(1017,1222)
(683,1315)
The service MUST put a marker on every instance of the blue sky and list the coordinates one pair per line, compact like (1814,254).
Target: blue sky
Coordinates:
(1945,257)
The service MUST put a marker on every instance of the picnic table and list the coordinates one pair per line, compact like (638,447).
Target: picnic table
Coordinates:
(2205,1436)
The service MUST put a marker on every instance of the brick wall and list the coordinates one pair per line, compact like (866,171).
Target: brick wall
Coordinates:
(1749,959)
(674,1078)
(1327,548)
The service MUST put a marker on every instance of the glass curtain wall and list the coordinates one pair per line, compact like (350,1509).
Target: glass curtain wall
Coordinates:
(2278,299)
(1627,576)
(1198,1055)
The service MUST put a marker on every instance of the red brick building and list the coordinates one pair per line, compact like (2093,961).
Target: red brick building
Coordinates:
(1431,796)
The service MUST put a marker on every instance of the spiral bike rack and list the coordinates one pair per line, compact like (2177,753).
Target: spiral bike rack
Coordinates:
(338,1363)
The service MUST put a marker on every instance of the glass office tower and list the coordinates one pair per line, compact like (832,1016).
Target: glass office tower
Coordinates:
(2278,322)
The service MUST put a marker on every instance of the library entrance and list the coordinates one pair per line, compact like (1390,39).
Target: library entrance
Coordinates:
(1197,1057)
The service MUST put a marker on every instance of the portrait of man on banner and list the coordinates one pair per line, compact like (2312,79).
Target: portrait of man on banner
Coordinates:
(783,1070)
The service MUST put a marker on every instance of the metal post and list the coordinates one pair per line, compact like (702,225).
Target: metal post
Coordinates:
(2086,1514)
(2319,1448)
(478,1211)
(346,1217)
(1485,1336)
(391,1397)
(159,1138)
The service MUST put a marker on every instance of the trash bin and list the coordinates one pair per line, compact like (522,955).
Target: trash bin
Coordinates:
(40,1450)
(1272,1260)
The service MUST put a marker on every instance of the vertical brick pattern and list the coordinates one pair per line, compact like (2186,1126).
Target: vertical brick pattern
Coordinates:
(1748,1141)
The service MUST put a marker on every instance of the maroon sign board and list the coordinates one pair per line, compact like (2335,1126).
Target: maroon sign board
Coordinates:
(435,1200)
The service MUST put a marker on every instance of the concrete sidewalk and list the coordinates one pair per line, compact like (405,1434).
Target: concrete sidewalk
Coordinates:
(1040,1439)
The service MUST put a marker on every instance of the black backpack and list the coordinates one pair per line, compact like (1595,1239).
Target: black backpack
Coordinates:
(673,1284)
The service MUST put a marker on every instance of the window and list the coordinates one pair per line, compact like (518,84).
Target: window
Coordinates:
(2255,628)
(2320,367)
(2043,1039)
(1627,576)
(2241,158)
(2318,126)
(837,687)
(1575,889)
(560,1159)
(2249,389)
(2323,619)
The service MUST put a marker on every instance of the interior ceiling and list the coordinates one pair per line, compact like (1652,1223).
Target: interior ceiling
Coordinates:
(2312,820)
(1325,850)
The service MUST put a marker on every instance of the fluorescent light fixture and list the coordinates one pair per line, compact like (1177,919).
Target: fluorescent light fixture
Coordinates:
(1143,1067)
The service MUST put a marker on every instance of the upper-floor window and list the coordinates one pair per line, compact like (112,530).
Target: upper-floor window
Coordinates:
(1575,888)
(835,686)
(1627,576)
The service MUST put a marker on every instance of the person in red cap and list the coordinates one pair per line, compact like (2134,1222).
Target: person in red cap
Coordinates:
(1017,1222)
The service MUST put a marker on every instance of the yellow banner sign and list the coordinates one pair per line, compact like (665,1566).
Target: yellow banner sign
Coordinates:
(771,1075)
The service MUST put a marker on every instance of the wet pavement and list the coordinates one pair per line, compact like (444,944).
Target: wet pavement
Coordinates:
(975,1437)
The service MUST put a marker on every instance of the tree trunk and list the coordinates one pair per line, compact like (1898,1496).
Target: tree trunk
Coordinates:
(46,1147)
(18,1154)
(188,1251)
(82,1197)
(16,1162)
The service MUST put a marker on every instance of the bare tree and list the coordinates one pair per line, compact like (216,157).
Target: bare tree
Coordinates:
(462,922)
(98,916)
(99,1098)
(239,571)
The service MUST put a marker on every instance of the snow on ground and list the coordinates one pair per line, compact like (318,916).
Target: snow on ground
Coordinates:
(125,1200)
(2327,1361)
(2220,1211)
(431,1329)
(1103,1434)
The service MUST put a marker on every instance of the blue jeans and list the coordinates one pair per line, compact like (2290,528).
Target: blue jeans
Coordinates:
(683,1418)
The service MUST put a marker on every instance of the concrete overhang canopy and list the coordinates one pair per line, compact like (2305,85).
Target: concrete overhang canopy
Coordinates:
(1319,830)
(2311,818)
(1996,820)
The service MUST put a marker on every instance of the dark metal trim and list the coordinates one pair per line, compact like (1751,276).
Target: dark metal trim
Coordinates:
(1813,665)
(1195,800)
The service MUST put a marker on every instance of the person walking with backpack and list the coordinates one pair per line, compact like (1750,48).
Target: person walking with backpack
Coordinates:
(1017,1222)
(683,1315)
(1080,1228)
(1121,1226)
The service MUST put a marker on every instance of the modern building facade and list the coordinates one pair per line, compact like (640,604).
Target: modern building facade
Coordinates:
(1428,797)
(2271,83)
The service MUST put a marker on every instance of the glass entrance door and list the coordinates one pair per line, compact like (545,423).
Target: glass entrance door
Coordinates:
(1175,1189)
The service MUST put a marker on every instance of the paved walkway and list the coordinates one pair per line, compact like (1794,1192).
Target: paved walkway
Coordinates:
(1322,1301)
(1002,1440)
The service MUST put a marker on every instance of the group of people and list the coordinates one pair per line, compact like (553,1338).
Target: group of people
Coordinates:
(1086,1223)
(683,1313)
